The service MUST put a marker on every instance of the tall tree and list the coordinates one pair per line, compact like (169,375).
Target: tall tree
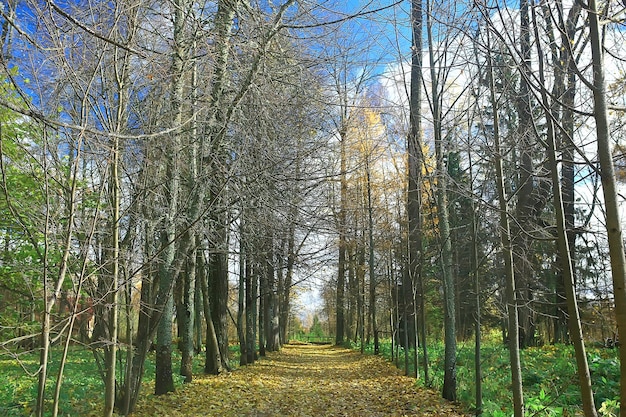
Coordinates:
(525,209)
(348,84)
(507,251)
(168,273)
(437,78)
(563,242)
(342,219)
(609,185)
(415,179)
(371,260)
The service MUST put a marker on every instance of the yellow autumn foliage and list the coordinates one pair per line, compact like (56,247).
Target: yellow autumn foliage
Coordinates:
(303,380)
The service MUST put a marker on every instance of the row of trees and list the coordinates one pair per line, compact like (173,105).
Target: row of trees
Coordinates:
(147,148)
(511,128)
(156,155)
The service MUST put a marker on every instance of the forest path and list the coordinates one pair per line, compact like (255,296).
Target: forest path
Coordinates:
(303,380)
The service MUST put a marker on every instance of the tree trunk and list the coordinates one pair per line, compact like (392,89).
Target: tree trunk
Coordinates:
(213,358)
(609,189)
(478,372)
(372,274)
(188,303)
(241,296)
(526,185)
(186,323)
(111,348)
(218,276)
(342,228)
(421,299)
(164,381)
(507,252)
(563,243)
(449,384)
(281,318)
(449,287)
(576,333)
(217,126)
(262,322)
(353,293)
(268,294)
(414,197)
(565,86)
(251,311)
(122,82)
(361,300)
(286,295)
(50,298)
(568,183)
(135,369)
(198,311)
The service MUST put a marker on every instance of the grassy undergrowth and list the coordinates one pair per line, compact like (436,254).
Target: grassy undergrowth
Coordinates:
(549,377)
(82,390)
(550,381)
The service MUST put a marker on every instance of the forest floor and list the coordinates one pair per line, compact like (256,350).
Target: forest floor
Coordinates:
(303,380)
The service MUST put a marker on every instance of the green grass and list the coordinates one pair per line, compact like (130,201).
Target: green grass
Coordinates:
(19,379)
(82,390)
(549,377)
(308,338)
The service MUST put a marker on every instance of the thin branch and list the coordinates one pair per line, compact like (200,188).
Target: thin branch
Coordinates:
(92,32)
(344,19)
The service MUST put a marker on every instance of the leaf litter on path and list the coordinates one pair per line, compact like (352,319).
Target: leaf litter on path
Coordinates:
(303,381)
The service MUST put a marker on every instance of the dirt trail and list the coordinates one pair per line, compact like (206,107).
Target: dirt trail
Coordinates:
(303,380)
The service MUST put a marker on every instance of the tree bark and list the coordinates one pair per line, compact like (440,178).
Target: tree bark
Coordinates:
(565,86)
(445,238)
(361,300)
(609,188)
(50,297)
(168,275)
(213,358)
(507,252)
(251,310)
(414,195)
(372,272)
(475,262)
(111,349)
(342,228)
(241,296)
(526,186)
(270,324)
(286,294)
(218,276)
(262,322)
(186,323)
(575,327)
